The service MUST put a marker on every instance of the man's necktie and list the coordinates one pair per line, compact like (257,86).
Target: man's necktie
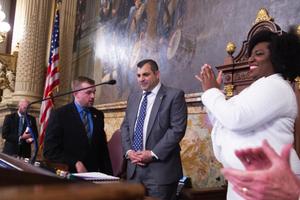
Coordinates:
(21,124)
(85,121)
(138,132)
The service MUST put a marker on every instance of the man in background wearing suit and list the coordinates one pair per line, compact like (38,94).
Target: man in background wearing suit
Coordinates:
(16,134)
(75,134)
(154,124)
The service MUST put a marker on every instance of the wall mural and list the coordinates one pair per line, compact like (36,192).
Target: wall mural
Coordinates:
(128,31)
(180,35)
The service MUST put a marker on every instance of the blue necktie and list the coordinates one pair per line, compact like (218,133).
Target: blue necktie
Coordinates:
(85,121)
(21,124)
(138,132)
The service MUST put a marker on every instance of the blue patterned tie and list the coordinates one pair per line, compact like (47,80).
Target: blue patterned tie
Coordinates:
(138,132)
(21,124)
(85,121)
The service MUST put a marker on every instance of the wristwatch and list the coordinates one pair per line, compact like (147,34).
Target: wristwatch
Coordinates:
(154,158)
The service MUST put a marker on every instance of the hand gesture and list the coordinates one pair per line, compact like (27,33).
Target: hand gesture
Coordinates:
(80,168)
(141,158)
(271,179)
(26,136)
(207,78)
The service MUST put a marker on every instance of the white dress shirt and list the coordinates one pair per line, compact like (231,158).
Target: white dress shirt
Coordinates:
(150,101)
(265,110)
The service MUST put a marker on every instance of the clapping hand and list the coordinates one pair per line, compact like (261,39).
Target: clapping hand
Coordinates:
(268,174)
(207,78)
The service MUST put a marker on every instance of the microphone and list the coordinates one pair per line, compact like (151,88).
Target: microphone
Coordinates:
(110,82)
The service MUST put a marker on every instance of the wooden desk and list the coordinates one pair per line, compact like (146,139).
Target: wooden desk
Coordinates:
(112,191)
(24,181)
(203,194)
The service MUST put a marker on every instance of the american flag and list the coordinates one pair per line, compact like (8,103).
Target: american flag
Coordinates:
(52,78)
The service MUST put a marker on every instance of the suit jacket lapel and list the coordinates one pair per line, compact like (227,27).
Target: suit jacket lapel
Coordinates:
(157,102)
(16,121)
(94,120)
(77,115)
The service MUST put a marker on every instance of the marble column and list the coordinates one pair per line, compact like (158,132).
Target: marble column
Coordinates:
(34,17)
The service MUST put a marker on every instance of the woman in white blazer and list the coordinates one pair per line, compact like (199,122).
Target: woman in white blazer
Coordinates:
(265,110)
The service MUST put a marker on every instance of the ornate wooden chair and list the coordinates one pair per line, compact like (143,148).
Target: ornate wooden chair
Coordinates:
(118,161)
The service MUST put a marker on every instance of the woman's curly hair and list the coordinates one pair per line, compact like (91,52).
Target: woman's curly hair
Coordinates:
(284,51)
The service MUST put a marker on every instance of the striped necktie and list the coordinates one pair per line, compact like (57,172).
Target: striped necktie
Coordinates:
(138,132)
(21,124)
(85,120)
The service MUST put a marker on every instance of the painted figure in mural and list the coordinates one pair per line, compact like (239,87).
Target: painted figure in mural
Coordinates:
(137,19)
(154,124)
(122,10)
(116,6)
(268,175)
(80,22)
(259,112)
(174,44)
(114,12)
(75,134)
(170,12)
(105,10)
(111,46)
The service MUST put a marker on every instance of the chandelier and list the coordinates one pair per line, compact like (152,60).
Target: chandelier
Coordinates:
(4,26)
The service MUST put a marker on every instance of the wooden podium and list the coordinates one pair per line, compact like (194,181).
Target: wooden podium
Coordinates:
(20,180)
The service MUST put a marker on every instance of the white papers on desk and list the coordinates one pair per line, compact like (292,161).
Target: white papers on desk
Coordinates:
(96,176)
(7,165)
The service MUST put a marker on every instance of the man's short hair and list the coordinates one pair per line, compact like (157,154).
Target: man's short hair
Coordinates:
(81,79)
(152,63)
(22,101)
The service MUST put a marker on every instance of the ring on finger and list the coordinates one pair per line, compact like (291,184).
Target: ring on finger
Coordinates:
(244,190)
(248,160)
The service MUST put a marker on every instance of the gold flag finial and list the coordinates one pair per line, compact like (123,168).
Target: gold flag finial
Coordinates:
(298,30)
(263,15)
(230,48)
(297,81)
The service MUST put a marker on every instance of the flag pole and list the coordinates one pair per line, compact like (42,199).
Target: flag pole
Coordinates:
(52,79)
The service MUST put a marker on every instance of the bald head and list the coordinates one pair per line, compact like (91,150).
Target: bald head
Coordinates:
(23,106)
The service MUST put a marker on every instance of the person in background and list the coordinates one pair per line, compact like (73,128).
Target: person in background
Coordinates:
(268,175)
(16,133)
(267,109)
(154,124)
(75,134)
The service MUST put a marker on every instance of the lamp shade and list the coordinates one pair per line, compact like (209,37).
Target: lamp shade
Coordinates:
(2,15)
(4,27)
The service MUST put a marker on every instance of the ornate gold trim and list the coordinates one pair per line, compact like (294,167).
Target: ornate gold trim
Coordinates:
(263,15)
(229,90)
(8,64)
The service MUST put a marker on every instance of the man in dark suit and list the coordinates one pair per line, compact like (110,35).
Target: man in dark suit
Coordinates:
(151,145)
(16,134)
(75,134)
